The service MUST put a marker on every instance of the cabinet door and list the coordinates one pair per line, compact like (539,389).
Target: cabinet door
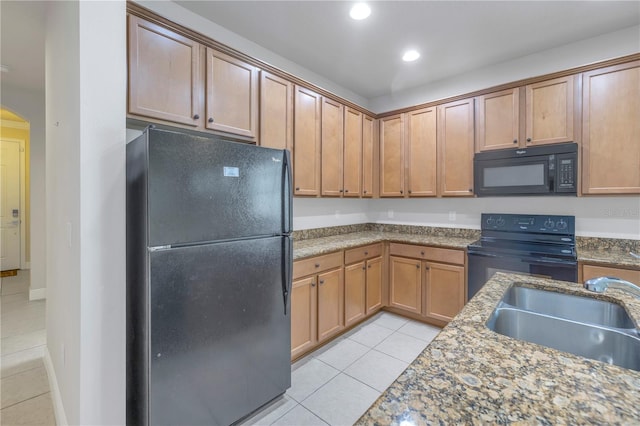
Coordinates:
(444,290)
(498,120)
(405,286)
(421,152)
(611,130)
(374,285)
(368,156)
(232,95)
(392,156)
(352,152)
(276,112)
(306,142)
(354,292)
(592,271)
(332,146)
(549,111)
(455,145)
(164,76)
(330,303)
(303,315)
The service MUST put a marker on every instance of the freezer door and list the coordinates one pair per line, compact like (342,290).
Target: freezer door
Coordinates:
(205,189)
(220,338)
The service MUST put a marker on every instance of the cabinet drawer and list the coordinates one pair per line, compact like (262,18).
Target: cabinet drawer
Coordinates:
(362,253)
(316,264)
(428,253)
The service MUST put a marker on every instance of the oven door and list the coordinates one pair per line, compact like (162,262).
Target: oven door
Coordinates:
(482,266)
(513,176)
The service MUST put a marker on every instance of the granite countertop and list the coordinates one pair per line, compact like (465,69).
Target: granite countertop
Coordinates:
(609,256)
(317,246)
(471,375)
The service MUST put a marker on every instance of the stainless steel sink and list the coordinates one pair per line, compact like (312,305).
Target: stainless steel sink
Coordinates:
(562,305)
(583,326)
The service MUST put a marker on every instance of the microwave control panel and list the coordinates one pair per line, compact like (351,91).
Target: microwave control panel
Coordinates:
(566,172)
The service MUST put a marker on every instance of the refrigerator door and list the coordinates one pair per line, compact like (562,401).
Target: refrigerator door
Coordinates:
(220,339)
(204,189)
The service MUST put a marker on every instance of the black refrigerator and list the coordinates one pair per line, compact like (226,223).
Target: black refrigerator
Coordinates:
(209,262)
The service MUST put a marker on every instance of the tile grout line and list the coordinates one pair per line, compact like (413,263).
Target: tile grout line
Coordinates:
(24,400)
(20,372)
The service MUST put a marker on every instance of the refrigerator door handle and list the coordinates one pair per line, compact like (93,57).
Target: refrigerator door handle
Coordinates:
(287,205)
(287,270)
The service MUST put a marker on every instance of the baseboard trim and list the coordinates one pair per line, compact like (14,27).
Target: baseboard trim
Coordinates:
(56,398)
(37,294)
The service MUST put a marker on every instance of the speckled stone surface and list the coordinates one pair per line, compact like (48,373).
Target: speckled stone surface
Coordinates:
(317,246)
(608,251)
(330,231)
(471,375)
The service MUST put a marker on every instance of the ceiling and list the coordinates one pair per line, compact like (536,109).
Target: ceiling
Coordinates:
(363,56)
(453,36)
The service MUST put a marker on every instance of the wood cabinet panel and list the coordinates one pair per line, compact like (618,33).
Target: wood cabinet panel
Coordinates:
(276,112)
(611,130)
(354,292)
(368,156)
(332,146)
(421,153)
(306,142)
(316,264)
(497,124)
(444,288)
(374,285)
(352,171)
(232,95)
(303,315)
(456,148)
(593,271)
(392,156)
(330,303)
(427,253)
(164,74)
(362,253)
(405,284)
(549,111)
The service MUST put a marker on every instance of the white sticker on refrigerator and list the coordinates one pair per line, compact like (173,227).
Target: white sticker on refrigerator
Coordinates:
(231,171)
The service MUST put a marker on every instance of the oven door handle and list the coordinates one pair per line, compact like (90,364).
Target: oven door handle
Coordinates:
(528,259)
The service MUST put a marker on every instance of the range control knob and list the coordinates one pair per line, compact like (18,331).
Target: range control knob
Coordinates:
(548,223)
(561,224)
(500,221)
(491,221)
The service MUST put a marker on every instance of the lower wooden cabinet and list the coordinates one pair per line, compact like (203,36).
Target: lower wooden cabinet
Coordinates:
(303,315)
(362,289)
(374,286)
(444,290)
(594,271)
(405,284)
(330,303)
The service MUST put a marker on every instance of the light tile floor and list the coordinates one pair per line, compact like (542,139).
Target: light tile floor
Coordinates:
(24,388)
(337,383)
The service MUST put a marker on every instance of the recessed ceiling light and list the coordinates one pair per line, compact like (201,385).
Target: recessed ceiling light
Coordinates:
(410,55)
(360,11)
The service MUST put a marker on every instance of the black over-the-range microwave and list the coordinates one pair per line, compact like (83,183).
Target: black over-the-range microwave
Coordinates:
(540,170)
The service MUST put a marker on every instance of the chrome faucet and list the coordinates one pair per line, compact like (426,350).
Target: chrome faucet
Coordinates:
(600,284)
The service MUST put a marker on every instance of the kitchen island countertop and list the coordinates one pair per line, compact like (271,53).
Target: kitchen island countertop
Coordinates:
(471,375)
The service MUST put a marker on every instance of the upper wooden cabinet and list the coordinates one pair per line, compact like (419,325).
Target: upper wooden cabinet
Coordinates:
(392,156)
(611,130)
(332,145)
(276,112)
(546,116)
(353,157)
(497,124)
(369,163)
(164,74)
(456,148)
(549,111)
(306,142)
(232,95)
(421,153)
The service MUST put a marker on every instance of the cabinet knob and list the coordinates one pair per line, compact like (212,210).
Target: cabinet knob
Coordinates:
(426,267)
(470,189)
(418,266)
(401,191)
(317,265)
(346,190)
(515,141)
(341,190)
(210,120)
(369,266)
(196,117)
(422,253)
(366,253)
(313,284)
(409,191)
(363,268)
(297,188)
(528,139)
(321,281)
(365,191)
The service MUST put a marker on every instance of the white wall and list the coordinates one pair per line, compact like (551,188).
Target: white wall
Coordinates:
(85,110)
(321,212)
(607,46)
(30,105)
(188,19)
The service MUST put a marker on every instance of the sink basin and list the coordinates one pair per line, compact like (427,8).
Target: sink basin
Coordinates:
(583,326)
(576,308)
